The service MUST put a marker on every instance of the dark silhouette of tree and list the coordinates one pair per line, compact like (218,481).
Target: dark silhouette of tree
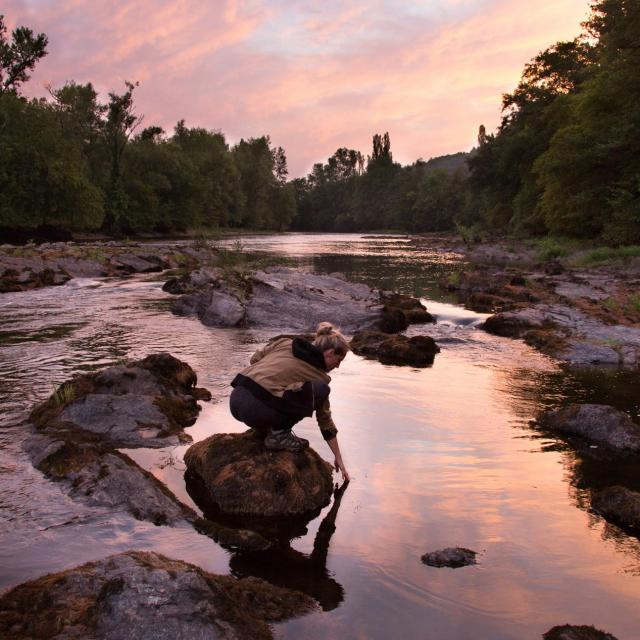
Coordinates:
(120,123)
(19,56)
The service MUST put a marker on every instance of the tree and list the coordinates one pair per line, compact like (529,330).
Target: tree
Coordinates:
(590,174)
(43,174)
(267,205)
(118,127)
(381,154)
(280,165)
(19,56)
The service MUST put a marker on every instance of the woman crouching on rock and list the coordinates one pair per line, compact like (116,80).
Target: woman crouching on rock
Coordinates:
(287,381)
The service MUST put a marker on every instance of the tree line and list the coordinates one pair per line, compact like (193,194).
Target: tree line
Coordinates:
(74,162)
(565,158)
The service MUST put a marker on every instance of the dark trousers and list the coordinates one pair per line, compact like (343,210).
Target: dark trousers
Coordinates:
(245,407)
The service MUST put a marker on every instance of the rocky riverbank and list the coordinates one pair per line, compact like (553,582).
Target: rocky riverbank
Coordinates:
(583,316)
(52,264)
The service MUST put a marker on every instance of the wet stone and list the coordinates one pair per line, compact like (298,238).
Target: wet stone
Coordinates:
(417,351)
(453,557)
(236,474)
(599,423)
(145,596)
(619,505)
(147,403)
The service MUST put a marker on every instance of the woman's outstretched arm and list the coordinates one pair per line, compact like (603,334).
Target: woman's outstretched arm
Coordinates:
(338,463)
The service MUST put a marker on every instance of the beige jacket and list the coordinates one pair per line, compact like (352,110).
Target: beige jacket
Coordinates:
(277,370)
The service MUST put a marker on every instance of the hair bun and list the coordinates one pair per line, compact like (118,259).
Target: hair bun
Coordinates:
(324,329)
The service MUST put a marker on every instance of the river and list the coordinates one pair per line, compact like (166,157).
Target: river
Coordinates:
(441,456)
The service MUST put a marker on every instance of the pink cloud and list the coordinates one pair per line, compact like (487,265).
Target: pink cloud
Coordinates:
(314,77)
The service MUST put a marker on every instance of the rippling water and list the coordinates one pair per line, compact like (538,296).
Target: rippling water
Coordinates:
(439,457)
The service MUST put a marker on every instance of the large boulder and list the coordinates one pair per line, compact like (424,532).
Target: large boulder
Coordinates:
(417,351)
(235,474)
(214,307)
(145,596)
(287,297)
(142,404)
(106,479)
(283,297)
(618,504)
(596,422)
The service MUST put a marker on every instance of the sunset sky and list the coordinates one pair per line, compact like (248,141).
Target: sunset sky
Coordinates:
(314,76)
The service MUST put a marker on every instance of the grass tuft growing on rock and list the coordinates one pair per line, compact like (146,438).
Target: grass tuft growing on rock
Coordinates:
(605,255)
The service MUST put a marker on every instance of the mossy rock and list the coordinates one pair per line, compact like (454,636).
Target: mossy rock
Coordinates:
(236,474)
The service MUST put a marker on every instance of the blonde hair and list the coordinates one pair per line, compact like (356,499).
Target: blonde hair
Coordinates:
(328,337)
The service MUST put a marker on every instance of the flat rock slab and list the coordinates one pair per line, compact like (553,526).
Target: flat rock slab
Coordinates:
(280,297)
(107,479)
(143,404)
(596,422)
(619,505)
(286,297)
(417,351)
(453,557)
(235,474)
(145,596)
(574,338)
(573,632)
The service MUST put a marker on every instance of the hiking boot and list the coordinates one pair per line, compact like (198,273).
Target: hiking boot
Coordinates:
(284,440)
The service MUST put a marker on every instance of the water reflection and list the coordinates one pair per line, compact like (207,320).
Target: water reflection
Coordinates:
(285,566)
(439,456)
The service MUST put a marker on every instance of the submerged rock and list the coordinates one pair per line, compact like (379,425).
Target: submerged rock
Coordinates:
(232,537)
(599,423)
(142,404)
(572,632)
(145,596)
(418,351)
(235,474)
(619,505)
(453,557)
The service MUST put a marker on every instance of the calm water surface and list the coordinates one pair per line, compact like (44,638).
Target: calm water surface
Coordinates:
(439,457)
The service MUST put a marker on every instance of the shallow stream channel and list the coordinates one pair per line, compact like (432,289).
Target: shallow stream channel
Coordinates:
(439,457)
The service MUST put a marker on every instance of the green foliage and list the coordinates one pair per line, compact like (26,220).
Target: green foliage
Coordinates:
(566,159)
(603,255)
(44,178)
(470,235)
(552,248)
(633,302)
(74,162)
(64,394)
(19,56)
(340,196)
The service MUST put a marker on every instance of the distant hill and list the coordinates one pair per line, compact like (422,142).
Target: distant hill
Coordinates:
(450,163)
